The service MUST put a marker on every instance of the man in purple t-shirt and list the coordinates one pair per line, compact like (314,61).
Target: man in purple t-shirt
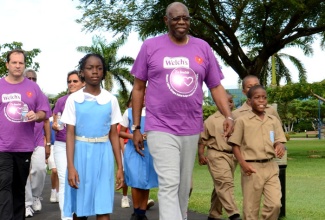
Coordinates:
(36,180)
(17,133)
(175,65)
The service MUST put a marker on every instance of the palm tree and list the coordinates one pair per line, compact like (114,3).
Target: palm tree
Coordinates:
(117,68)
(275,69)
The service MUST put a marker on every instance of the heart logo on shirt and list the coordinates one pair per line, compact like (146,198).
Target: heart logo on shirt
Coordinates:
(199,60)
(188,81)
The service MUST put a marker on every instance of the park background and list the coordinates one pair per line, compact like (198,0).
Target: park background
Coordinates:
(51,27)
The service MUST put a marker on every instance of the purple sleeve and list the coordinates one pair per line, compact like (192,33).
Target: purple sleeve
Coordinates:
(140,66)
(214,74)
(48,112)
(59,105)
(42,103)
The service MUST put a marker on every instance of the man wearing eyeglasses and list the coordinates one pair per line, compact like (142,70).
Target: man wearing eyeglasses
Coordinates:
(175,65)
(17,133)
(36,179)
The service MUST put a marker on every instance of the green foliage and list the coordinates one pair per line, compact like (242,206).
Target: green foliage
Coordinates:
(123,97)
(117,68)
(245,33)
(54,99)
(30,55)
(287,136)
(208,107)
(293,91)
(297,107)
(304,125)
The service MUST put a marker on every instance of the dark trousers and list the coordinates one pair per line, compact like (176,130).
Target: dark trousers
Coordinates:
(14,170)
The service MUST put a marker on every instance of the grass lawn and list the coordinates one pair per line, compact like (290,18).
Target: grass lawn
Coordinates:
(302,135)
(305,182)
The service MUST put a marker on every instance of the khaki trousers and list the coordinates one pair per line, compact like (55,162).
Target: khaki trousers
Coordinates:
(222,167)
(264,182)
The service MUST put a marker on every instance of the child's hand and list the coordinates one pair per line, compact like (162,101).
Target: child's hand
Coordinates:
(203,160)
(279,150)
(119,179)
(248,169)
(73,178)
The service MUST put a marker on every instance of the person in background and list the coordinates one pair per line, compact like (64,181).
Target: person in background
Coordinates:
(221,164)
(175,65)
(17,141)
(257,139)
(54,198)
(248,82)
(125,201)
(91,115)
(74,83)
(140,174)
(36,179)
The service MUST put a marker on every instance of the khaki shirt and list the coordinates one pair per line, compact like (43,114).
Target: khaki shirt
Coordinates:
(255,136)
(212,134)
(245,108)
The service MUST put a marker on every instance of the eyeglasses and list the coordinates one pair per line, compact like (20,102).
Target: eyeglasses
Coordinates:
(74,81)
(32,78)
(178,18)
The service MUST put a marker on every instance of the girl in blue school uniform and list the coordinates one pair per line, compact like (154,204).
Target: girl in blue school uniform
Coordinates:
(139,172)
(91,115)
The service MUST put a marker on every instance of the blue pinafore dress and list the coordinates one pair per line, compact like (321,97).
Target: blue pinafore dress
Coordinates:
(94,163)
(138,171)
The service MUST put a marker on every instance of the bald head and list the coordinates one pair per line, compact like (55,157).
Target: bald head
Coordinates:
(174,5)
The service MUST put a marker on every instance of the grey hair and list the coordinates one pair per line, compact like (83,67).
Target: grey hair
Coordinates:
(29,71)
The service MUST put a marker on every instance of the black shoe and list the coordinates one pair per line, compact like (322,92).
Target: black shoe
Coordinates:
(209,218)
(235,217)
(143,217)
(135,217)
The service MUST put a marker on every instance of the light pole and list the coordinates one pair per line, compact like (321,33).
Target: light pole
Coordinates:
(319,120)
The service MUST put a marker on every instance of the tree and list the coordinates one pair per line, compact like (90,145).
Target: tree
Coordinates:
(116,67)
(296,103)
(244,33)
(277,64)
(30,55)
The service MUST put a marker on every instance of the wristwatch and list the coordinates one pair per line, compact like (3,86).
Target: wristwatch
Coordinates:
(135,127)
(48,144)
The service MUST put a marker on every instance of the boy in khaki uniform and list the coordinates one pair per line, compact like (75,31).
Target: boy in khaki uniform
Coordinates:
(221,165)
(257,139)
(247,83)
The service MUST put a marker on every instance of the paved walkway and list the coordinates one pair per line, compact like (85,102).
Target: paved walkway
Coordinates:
(51,211)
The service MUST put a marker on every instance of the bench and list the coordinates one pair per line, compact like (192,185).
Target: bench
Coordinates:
(311,133)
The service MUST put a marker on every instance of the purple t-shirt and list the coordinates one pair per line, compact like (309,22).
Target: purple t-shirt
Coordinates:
(175,75)
(59,107)
(39,127)
(15,135)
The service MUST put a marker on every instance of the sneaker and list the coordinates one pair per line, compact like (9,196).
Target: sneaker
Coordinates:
(29,212)
(125,202)
(37,205)
(54,196)
(150,203)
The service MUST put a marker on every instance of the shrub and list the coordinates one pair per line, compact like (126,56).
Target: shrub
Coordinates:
(287,136)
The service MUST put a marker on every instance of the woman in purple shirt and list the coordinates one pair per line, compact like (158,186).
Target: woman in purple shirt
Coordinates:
(74,84)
